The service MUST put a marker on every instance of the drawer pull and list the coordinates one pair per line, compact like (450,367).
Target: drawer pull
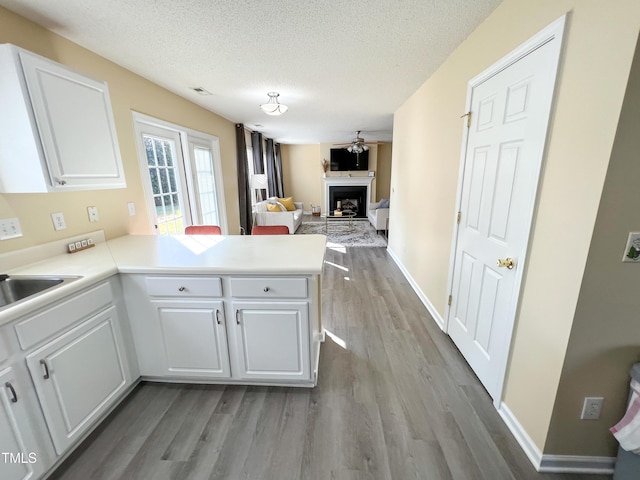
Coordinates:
(238,317)
(266,289)
(218,317)
(46,369)
(14,396)
(181,289)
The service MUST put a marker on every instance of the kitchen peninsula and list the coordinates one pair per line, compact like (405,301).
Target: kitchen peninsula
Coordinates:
(229,309)
(187,309)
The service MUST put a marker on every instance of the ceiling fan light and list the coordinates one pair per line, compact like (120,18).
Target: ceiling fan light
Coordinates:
(272,107)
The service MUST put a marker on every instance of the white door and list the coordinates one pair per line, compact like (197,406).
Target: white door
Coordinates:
(510,109)
(272,340)
(164,179)
(194,339)
(78,376)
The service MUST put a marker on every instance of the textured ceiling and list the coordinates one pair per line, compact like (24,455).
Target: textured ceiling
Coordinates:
(339,65)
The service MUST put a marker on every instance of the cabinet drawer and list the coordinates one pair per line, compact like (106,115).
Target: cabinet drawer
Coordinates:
(269,287)
(184,286)
(53,320)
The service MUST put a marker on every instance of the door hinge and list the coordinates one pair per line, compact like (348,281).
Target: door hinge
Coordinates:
(459,217)
(450,300)
(468,115)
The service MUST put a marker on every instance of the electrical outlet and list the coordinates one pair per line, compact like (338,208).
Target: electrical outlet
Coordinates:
(591,408)
(10,228)
(132,209)
(58,221)
(93,214)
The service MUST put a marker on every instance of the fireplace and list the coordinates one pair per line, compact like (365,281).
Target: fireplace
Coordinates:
(350,198)
(353,193)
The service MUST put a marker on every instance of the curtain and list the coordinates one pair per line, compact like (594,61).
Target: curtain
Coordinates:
(271,171)
(279,174)
(244,190)
(258,155)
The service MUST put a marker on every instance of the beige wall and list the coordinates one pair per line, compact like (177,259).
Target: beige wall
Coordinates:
(302,169)
(605,336)
(302,173)
(425,167)
(383,171)
(128,92)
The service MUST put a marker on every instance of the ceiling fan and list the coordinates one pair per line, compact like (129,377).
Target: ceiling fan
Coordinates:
(357,145)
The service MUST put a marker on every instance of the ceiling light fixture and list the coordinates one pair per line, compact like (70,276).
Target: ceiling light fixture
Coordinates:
(272,107)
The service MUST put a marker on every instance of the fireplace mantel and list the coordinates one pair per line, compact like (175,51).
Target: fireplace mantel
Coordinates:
(346,181)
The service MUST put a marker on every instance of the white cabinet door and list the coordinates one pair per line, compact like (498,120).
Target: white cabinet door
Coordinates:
(59,123)
(73,114)
(272,340)
(79,376)
(19,458)
(194,339)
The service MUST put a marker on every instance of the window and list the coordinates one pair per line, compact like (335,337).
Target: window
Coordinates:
(181,176)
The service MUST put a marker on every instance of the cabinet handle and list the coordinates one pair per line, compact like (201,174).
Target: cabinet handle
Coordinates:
(14,396)
(46,369)
(238,317)
(218,316)
(181,289)
(266,289)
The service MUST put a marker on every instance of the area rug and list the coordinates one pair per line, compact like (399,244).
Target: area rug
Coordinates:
(363,234)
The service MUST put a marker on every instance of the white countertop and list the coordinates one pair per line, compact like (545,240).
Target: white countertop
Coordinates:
(230,254)
(197,254)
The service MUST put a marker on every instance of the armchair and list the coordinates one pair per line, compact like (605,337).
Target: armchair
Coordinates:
(379,217)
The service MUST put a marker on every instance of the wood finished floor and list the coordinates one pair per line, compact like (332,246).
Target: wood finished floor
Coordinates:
(395,400)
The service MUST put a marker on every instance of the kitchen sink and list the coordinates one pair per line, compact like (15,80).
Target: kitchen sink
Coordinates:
(17,288)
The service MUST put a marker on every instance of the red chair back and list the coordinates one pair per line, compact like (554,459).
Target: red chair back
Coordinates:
(270,230)
(202,230)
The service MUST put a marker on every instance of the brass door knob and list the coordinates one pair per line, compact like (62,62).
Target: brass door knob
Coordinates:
(506,262)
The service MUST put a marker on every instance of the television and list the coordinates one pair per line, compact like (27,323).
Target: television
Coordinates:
(342,160)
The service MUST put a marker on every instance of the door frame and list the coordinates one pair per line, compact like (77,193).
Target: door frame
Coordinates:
(554,31)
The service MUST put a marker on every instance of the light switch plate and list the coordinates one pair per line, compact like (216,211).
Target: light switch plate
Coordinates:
(93,214)
(631,252)
(10,228)
(132,209)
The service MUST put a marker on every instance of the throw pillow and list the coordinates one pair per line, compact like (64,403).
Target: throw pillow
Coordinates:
(276,207)
(288,203)
(384,203)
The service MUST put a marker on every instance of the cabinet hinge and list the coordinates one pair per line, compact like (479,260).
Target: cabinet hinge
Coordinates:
(459,217)
(450,300)
(468,115)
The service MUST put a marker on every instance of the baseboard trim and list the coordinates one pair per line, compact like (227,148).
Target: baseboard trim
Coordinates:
(577,464)
(554,463)
(530,449)
(414,285)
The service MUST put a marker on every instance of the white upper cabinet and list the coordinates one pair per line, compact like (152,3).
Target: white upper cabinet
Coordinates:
(56,128)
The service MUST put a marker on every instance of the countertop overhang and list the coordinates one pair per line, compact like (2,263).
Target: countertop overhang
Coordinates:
(175,255)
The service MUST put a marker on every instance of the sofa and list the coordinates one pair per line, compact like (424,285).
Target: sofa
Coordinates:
(378,215)
(290,218)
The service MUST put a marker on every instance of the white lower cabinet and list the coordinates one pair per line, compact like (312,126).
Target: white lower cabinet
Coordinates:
(78,376)
(272,340)
(194,339)
(21,459)
(226,329)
